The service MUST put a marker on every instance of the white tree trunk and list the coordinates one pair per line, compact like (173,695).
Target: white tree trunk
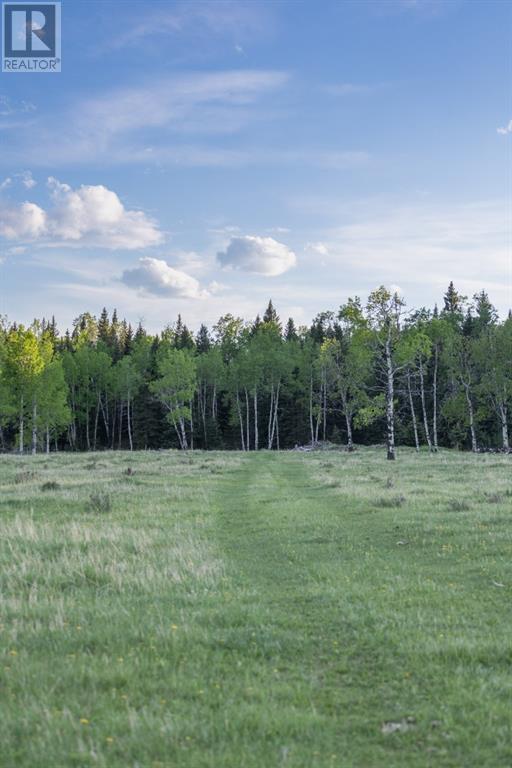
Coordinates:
(34,427)
(22,424)
(424,407)
(348,420)
(471,413)
(390,405)
(434,394)
(311,409)
(504,427)
(129,421)
(247,421)
(240,419)
(256,445)
(191,425)
(413,413)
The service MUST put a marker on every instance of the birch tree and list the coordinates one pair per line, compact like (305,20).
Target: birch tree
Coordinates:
(384,313)
(175,388)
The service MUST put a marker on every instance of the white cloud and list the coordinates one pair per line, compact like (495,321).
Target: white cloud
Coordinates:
(156,277)
(171,121)
(189,102)
(345,89)
(320,248)
(262,255)
(506,129)
(17,250)
(89,215)
(25,222)
(230,18)
(8,108)
(422,246)
(125,125)
(215,287)
(27,179)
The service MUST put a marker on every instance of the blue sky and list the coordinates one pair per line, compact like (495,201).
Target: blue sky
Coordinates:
(201,157)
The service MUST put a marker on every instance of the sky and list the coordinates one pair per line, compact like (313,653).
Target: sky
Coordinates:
(203,157)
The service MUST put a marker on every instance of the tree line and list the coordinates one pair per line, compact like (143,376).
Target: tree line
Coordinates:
(369,373)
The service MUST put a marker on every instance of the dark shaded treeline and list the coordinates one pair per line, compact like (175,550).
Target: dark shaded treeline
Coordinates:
(364,374)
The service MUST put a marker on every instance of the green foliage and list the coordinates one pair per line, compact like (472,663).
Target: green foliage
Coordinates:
(252,384)
(373,409)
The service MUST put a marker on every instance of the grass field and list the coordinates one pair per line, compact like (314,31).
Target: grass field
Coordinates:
(252,611)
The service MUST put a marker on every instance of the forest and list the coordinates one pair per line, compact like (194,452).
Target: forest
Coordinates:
(369,373)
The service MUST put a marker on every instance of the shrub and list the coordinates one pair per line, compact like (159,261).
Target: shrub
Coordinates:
(50,485)
(24,477)
(390,502)
(100,502)
(493,498)
(458,505)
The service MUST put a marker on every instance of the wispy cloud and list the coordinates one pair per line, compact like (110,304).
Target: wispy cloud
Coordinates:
(8,107)
(146,123)
(15,114)
(425,245)
(224,18)
(25,178)
(346,89)
(506,129)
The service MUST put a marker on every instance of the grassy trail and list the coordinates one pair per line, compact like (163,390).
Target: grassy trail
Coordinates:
(324,668)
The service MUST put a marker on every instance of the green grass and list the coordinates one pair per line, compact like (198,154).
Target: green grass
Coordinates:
(252,611)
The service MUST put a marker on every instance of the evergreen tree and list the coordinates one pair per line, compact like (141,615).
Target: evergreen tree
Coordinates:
(104,327)
(442,377)
(203,341)
(290,333)
(270,316)
(453,301)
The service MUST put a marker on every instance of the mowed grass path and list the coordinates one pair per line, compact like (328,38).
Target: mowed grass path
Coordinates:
(251,611)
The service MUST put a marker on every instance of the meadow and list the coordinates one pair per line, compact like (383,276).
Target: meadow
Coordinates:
(257,610)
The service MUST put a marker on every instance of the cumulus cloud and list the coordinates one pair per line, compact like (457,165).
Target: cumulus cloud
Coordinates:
(506,129)
(156,277)
(262,255)
(89,215)
(25,222)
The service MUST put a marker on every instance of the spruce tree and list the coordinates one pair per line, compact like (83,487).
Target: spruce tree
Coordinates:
(271,316)
(452,300)
(203,341)
(290,333)
(104,327)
